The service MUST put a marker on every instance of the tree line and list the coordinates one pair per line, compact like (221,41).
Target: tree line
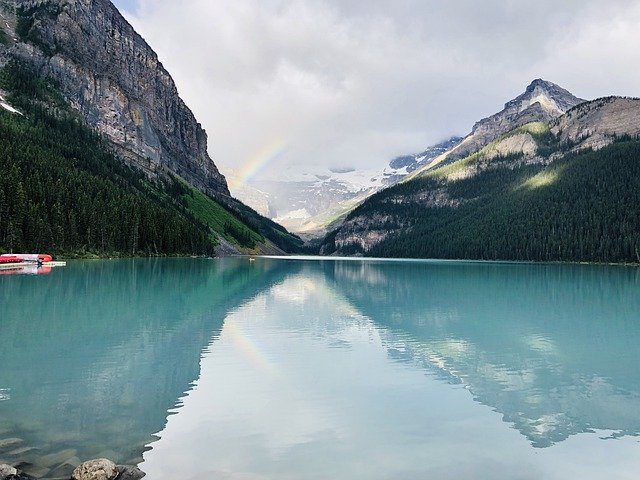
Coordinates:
(583,207)
(62,191)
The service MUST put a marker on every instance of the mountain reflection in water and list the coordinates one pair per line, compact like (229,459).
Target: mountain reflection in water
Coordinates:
(554,348)
(269,368)
(94,356)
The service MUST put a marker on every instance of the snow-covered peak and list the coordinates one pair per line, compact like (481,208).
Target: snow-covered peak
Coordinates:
(305,200)
(402,166)
(348,179)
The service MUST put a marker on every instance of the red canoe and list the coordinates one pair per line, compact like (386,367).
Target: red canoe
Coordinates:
(28,257)
(10,259)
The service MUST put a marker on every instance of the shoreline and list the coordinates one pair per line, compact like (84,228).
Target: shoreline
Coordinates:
(293,256)
(446,260)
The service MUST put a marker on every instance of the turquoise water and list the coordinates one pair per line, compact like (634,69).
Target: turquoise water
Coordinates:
(299,369)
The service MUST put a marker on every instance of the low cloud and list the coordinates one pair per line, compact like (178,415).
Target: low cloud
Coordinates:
(345,82)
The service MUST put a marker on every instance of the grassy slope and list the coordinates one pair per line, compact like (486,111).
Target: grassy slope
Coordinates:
(270,230)
(218,218)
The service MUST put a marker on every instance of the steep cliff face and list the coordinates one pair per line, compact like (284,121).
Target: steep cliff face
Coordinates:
(597,123)
(113,78)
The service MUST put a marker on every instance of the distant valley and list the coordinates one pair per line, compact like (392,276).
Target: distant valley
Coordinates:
(310,204)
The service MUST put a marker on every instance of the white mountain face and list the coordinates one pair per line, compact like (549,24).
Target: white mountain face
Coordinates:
(304,202)
(307,203)
(402,166)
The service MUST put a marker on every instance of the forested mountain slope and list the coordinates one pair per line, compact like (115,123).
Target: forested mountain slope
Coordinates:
(63,191)
(567,190)
(104,157)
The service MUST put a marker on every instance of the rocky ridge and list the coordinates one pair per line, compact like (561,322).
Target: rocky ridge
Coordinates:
(542,101)
(112,77)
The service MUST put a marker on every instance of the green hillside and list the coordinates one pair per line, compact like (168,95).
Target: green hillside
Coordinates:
(219,219)
(62,191)
(583,207)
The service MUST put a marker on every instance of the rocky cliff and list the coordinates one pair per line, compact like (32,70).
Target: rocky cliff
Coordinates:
(596,124)
(112,77)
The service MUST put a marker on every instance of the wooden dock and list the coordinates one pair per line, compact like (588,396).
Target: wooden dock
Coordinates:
(13,266)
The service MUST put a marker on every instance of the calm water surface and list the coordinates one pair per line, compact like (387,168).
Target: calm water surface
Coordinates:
(300,369)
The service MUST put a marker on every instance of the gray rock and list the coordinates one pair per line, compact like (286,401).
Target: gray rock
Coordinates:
(130,472)
(7,471)
(112,77)
(541,102)
(98,469)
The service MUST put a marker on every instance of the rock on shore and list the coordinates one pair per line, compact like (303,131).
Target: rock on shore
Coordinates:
(98,469)
(104,469)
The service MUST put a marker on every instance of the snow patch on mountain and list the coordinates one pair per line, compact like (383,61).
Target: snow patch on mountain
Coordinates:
(8,107)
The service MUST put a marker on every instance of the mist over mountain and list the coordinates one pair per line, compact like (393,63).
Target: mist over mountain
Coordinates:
(310,203)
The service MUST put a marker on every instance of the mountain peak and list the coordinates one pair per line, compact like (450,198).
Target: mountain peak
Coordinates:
(539,82)
(113,78)
(552,98)
(542,101)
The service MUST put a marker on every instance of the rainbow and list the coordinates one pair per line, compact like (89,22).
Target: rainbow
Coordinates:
(249,349)
(265,156)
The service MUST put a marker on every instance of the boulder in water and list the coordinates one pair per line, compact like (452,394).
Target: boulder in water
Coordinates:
(99,469)
(129,472)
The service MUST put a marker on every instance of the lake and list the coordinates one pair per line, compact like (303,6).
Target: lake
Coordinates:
(315,369)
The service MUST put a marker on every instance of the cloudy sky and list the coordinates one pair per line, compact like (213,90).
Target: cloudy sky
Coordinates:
(292,84)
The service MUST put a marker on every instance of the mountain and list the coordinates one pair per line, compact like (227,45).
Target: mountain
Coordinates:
(66,59)
(542,101)
(564,188)
(311,203)
(109,74)
(402,166)
(306,203)
(317,202)
(595,124)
